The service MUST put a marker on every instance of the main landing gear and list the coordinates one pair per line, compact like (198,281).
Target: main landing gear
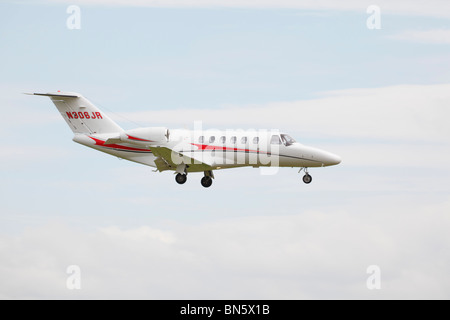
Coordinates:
(206,181)
(181,178)
(306,178)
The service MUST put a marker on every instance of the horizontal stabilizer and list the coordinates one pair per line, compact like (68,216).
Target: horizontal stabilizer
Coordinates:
(62,95)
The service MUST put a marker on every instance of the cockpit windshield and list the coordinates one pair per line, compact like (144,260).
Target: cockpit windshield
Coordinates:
(287,139)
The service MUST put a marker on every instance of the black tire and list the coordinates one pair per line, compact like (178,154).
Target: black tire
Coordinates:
(206,182)
(307,179)
(181,178)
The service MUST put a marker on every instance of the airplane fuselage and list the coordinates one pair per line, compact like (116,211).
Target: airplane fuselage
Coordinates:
(221,149)
(185,151)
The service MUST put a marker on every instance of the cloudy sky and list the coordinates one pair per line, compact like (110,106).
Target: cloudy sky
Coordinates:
(379,98)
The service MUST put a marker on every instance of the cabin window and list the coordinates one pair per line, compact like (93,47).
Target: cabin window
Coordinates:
(212,139)
(233,140)
(244,140)
(223,139)
(255,140)
(275,139)
(201,139)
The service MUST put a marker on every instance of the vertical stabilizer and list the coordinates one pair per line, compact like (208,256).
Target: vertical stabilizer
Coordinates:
(80,114)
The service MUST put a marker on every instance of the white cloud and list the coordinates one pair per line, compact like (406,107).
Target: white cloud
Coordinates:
(20,154)
(437,8)
(436,36)
(313,254)
(392,154)
(23,110)
(413,113)
(142,234)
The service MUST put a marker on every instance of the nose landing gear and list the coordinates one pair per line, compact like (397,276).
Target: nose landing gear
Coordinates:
(307,177)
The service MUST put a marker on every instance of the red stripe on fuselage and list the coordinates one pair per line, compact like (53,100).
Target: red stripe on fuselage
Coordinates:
(101,143)
(137,139)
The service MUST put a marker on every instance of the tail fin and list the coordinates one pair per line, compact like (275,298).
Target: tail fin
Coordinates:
(81,115)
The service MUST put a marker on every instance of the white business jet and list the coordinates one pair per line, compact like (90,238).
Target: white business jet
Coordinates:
(186,151)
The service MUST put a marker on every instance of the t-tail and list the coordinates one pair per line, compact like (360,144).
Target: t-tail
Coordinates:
(81,115)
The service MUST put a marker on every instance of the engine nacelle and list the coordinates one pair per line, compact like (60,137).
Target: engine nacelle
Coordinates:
(145,135)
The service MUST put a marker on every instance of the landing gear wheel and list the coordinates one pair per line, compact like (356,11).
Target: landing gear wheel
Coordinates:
(181,178)
(307,179)
(206,182)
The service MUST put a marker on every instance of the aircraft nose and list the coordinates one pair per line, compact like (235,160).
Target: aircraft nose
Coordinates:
(331,159)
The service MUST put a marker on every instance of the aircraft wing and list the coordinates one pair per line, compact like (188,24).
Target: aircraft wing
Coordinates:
(167,159)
